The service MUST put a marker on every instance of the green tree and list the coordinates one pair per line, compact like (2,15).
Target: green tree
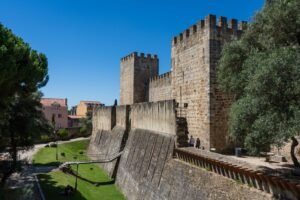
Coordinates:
(62,133)
(86,123)
(22,72)
(261,71)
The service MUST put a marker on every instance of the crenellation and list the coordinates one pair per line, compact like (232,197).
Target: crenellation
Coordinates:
(194,29)
(242,25)
(221,25)
(233,24)
(222,22)
(161,76)
(210,21)
(187,33)
(139,56)
(181,36)
(128,57)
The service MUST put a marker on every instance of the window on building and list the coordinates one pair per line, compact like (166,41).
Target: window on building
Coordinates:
(59,115)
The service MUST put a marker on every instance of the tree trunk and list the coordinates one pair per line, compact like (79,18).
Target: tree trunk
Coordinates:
(293,156)
(14,152)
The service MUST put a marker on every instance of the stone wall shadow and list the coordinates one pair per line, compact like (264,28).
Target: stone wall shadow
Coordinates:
(123,144)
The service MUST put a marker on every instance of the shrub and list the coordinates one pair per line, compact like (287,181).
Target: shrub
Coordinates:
(83,130)
(62,133)
(44,138)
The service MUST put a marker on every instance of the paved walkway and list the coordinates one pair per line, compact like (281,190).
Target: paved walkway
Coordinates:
(22,185)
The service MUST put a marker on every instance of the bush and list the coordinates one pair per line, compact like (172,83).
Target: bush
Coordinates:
(83,130)
(62,133)
(44,138)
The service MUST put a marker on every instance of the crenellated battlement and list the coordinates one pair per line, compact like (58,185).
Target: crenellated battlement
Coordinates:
(211,22)
(139,56)
(160,77)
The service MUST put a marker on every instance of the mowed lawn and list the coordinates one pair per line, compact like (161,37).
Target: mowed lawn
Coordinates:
(66,152)
(96,184)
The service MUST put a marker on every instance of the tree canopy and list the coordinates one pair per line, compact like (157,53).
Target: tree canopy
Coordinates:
(22,72)
(261,71)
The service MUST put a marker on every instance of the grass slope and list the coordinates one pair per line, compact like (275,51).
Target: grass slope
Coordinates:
(97,184)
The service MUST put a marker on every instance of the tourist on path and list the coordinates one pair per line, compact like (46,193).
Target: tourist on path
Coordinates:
(198,143)
(192,141)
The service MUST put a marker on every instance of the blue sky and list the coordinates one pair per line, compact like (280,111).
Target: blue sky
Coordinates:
(85,39)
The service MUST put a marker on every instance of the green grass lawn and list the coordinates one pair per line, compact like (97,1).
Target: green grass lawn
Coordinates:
(72,151)
(96,184)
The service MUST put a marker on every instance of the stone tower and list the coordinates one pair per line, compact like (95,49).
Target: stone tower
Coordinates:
(136,71)
(195,54)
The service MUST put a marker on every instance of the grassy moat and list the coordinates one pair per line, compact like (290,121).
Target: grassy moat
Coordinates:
(96,184)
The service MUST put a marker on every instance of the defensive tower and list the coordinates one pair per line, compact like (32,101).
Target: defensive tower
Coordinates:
(195,54)
(136,71)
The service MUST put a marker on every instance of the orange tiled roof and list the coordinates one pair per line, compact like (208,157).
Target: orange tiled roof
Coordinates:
(50,101)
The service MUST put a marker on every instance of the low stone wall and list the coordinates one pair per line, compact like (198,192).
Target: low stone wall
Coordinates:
(183,181)
(286,150)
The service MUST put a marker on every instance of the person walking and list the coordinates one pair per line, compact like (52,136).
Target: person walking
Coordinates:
(192,141)
(198,143)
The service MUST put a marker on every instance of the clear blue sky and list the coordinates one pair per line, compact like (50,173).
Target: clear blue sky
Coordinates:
(85,39)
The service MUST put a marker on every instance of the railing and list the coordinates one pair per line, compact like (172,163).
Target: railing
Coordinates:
(274,185)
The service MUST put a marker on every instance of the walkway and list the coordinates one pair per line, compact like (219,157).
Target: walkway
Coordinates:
(22,185)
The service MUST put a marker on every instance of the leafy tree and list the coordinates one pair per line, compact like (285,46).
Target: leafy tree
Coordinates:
(86,123)
(261,71)
(22,72)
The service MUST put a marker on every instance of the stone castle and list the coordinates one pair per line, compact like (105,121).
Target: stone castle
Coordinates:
(191,81)
(149,129)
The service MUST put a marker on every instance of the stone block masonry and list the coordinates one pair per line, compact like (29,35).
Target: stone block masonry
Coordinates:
(195,54)
(110,132)
(158,116)
(147,169)
(191,81)
(136,71)
(160,87)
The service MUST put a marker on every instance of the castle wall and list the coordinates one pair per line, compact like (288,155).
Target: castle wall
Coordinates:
(110,126)
(142,163)
(160,87)
(155,116)
(147,169)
